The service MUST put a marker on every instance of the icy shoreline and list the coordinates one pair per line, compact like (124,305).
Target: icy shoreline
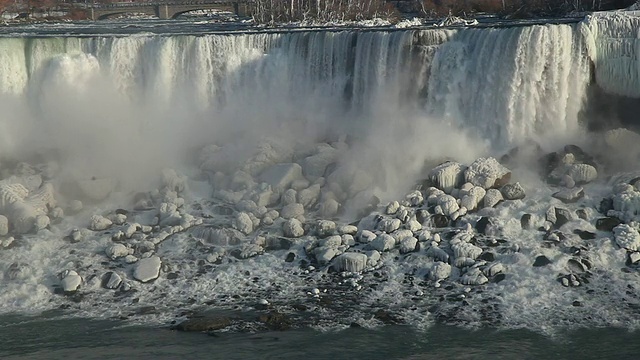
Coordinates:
(471,247)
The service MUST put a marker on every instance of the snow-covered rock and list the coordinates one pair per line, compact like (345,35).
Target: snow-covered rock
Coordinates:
(383,242)
(71,281)
(292,228)
(487,173)
(325,228)
(569,195)
(627,237)
(513,191)
(389,225)
(115,251)
(292,211)
(4,225)
(99,223)
(408,244)
(474,277)
(392,208)
(492,198)
(439,271)
(366,236)
(448,204)
(465,249)
(147,269)
(325,254)
(309,196)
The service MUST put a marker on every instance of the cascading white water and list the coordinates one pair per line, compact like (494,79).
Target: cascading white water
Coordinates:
(500,85)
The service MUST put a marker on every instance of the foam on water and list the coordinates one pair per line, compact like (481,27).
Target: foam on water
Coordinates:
(389,103)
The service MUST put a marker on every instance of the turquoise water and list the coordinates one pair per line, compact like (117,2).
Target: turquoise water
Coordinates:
(54,338)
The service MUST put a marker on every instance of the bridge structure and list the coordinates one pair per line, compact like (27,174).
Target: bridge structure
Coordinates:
(168,9)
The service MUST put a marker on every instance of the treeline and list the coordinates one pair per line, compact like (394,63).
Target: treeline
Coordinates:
(278,11)
(522,8)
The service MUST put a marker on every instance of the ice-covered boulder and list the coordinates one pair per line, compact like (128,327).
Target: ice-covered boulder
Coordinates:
(569,195)
(111,280)
(447,176)
(487,173)
(492,198)
(474,277)
(329,208)
(4,225)
(115,251)
(309,196)
(324,255)
(627,237)
(174,181)
(22,207)
(147,269)
(513,191)
(439,271)
(448,204)
(582,173)
(351,262)
(408,244)
(243,223)
(292,211)
(389,225)
(465,249)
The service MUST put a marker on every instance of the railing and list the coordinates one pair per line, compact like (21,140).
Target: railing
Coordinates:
(170,3)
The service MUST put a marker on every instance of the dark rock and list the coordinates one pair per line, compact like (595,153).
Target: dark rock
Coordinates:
(587,264)
(487,256)
(580,155)
(606,204)
(504,180)
(111,280)
(204,324)
(122,212)
(584,235)
(385,317)
(276,321)
(499,277)
(483,224)
(278,243)
(422,216)
(525,221)
(541,261)
(172,276)
(549,162)
(146,310)
(290,257)
(633,258)
(563,216)
(440,221)
(582,214)
(576,266)
(577,303)
(607,223)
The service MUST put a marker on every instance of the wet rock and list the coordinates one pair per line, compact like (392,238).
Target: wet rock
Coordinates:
(563,216)
(584,235)
(541,261)
(576,266)
(276,321)
(483,224)
(440,221)
(111,280)
(607,223)
(526,221)
(204,324)
(290,257)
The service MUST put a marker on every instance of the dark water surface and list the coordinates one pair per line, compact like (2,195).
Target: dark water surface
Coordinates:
(42,338)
